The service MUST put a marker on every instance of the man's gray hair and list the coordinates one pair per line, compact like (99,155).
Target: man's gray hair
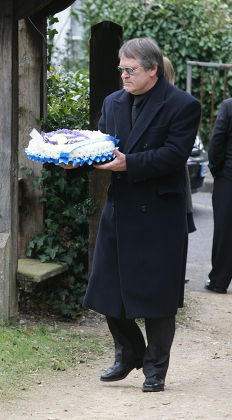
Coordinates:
(147,52)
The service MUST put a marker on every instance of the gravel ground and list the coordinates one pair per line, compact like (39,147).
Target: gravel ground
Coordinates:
(198,384)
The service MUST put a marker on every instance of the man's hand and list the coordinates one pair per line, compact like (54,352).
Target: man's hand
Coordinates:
(118,164)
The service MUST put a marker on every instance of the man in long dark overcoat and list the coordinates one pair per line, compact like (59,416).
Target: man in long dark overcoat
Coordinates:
(137,268)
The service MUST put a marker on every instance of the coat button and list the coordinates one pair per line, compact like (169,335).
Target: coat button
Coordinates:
(143,209)
(118,176)
(145,146)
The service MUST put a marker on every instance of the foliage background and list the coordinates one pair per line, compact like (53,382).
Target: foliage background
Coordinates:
(68,206)
(193,30)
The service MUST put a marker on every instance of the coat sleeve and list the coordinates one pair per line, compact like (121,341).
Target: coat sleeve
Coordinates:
(217,147)
(174,152)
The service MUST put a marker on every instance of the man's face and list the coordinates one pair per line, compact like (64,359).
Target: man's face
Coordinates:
(139,82)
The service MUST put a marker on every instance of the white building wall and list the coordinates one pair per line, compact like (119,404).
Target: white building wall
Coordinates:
(69,32)
(63,27)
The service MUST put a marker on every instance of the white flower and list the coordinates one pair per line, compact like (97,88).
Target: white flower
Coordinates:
(59,138)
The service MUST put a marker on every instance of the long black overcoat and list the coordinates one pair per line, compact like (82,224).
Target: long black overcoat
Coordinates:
(139,251)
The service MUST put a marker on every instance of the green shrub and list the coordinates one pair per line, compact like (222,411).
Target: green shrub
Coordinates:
(68,100)
(193,30)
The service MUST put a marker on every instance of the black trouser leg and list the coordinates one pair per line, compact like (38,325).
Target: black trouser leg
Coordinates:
(160,333)
(221,272)
(128,339)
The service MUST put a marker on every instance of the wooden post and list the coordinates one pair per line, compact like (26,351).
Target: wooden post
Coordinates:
(106,39)
(32,107)
(8,160)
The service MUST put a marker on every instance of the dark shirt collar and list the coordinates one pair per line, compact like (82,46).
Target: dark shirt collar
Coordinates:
(139,99)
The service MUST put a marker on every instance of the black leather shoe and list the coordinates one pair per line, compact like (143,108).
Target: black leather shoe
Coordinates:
(212,288)
(118,371)
(153,384)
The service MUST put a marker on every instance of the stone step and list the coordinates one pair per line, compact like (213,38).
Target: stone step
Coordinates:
(34,270)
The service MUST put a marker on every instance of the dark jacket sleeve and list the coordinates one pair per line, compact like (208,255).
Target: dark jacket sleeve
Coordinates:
(217,147)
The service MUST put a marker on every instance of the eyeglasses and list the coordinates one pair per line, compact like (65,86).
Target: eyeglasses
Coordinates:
(128,70)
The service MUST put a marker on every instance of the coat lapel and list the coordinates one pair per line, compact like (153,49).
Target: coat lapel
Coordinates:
(122,108)
(122,115)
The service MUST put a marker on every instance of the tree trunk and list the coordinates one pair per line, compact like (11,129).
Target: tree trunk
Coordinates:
(106,39)
(32,106)
(8,161)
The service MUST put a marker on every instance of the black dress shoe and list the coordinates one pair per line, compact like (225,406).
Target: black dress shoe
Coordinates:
(119,371)
(153,384)
(210,286)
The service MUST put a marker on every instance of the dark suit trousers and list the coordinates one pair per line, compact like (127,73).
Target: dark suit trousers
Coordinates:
(130,347)
(221,272)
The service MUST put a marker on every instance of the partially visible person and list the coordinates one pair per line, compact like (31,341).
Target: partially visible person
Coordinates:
(169,74)
(220,165)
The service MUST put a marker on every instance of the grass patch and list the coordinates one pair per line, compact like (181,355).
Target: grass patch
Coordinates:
(27,352)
